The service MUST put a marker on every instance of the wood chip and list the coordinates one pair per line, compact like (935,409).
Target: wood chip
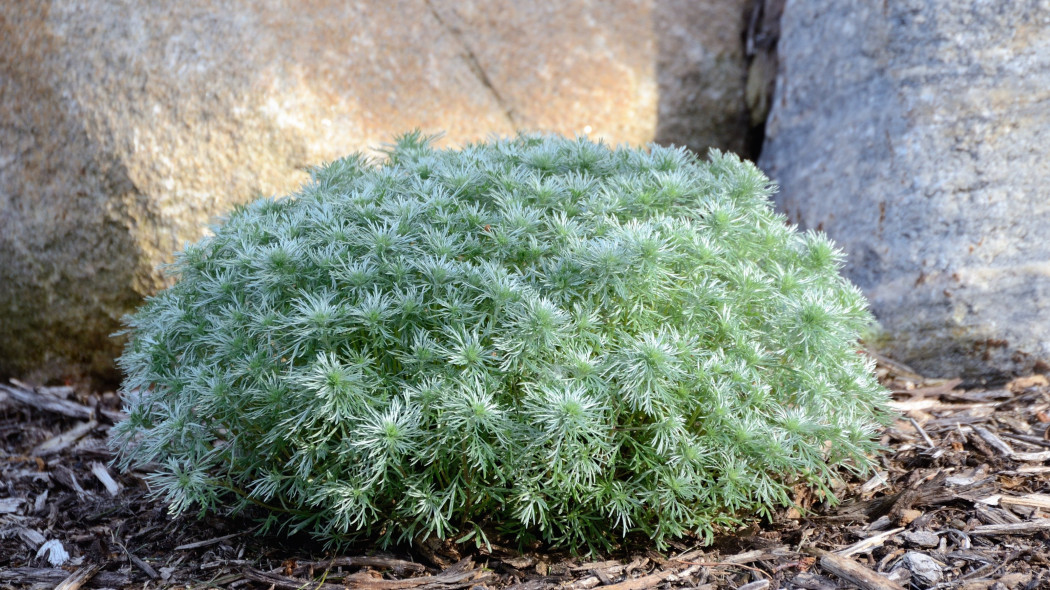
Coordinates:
(758,585)
(79,578)
(924,567)
(851,571)
(876,482)
(107,480)
(40,503)
(54,552)
(1021,383)
(63,441)
(31,537)
(684,574)
(582,584)
(10,505)
(812,581)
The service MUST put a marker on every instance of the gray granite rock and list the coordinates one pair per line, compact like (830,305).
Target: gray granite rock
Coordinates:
(126,126)
(916,134)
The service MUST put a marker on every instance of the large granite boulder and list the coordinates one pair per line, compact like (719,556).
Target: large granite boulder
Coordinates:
(915,133)
(125,126)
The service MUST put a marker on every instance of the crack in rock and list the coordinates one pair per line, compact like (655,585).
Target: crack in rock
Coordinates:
(474,64)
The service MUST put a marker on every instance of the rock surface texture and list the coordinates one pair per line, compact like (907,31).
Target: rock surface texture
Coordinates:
(127,126)
(915,133)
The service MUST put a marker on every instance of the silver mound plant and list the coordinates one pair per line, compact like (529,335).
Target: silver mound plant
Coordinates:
(539,336)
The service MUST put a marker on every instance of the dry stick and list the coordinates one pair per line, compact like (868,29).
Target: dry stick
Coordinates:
(1032,500)
(757,555)
(687,572)
(1032,440)
(726,564)
(740,559)
(48,404)
(851,571)
(205,543)
(869,543)
(1020,528)
(596,565)
(398,565)
(1031,457)
(467,579)
(643,582)
(219,581)
(29,576)
(142,565)
(649,581)
(655,578)
(1029,470)
(460,572)
(602,576)
(935,404)
(925,437)
(988,569)
(994,517)
(542,584)
(993,440)
(898,367)
(278,581)
(79,577)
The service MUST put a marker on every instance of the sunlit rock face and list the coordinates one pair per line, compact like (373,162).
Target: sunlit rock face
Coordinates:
(128,126)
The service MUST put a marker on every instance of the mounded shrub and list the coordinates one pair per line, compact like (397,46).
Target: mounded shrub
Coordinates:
(539,336)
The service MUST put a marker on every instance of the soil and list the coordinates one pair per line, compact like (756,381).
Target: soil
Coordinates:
(961,500)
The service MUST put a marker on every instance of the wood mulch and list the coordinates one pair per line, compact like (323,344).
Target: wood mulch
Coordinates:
(961,500)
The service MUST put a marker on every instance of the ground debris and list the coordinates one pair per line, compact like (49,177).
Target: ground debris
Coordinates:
(961,500)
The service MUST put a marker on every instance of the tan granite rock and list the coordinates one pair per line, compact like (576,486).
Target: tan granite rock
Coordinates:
(126,126)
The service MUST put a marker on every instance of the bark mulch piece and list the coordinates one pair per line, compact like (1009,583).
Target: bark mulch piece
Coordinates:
(961,500)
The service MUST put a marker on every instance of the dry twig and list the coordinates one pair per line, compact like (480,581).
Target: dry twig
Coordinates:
(851,571)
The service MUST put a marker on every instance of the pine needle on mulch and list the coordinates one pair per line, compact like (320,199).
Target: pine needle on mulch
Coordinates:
(962,500)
